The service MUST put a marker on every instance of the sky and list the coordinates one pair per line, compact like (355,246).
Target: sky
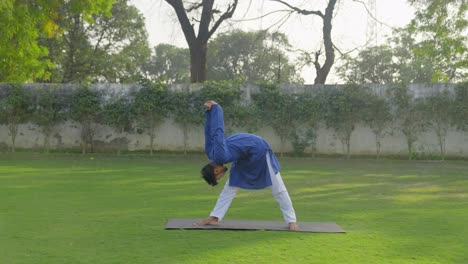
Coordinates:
(353,27)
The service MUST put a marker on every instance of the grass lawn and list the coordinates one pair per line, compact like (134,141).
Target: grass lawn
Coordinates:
(73,209)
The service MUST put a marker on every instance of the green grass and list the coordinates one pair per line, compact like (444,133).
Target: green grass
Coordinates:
(71,209)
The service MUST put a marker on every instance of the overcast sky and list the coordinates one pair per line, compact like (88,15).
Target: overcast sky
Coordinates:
(352,26)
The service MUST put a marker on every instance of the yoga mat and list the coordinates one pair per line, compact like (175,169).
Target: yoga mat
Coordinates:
(316,227)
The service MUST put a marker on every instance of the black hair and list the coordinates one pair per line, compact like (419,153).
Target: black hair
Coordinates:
(208,174)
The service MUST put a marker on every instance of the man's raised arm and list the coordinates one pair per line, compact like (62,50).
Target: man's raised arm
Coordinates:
(215,146)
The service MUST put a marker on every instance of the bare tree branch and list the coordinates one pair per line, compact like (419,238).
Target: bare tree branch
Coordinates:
(228,14)
(372,16)
(300,11)
(260,17)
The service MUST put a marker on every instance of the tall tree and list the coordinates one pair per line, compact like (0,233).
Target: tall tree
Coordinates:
(110,48)
(372,65)
(169,64)
(251,56)
(441,25)
(321,71)
(198,43)
(411,67)
(23,22)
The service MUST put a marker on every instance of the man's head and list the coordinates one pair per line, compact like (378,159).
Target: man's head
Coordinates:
(212,173)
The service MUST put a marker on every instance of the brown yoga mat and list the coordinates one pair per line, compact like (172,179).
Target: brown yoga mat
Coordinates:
(317,227)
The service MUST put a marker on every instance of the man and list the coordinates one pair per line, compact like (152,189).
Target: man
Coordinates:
(254,166)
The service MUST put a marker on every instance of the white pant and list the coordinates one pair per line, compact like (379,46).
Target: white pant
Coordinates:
(277,188)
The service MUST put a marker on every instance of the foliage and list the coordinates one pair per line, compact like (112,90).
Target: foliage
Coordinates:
(411,68)
(15,109)
(342,111)
(50,111)
(460,109)
(23,22)
(372,65)
(251,57)
(21,55)
(109,48)
(118,113)
(442,26)
(86,110)
(408,114)
(169,65)
(151,106)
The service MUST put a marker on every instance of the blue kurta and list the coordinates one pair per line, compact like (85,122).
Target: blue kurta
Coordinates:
(247,152)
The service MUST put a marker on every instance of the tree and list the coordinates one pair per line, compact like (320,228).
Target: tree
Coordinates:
(372,65)
(308,117)
(15,108)
(118,114)
(108,48)
(23,58)
(120,44)
(198,42)
(408,115)
(151,106)
(278,110)
(86,110)
(50,111)
(252,57)
(169,64)
(321,71)
(438,113)
(411,68)
(342,111)
(377,116)
(186,110)
(441,26)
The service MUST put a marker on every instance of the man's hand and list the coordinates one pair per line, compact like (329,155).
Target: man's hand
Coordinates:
(293,226)
(209,104)
(212,220)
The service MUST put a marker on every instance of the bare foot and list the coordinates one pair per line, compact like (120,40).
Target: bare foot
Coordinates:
(293,226)
(208,221)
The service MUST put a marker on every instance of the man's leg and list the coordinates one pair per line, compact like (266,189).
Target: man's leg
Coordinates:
(281,194)
(224,201)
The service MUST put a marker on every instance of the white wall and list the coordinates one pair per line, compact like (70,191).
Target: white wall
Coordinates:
(170,136)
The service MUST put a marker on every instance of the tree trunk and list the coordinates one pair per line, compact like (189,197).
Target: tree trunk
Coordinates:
(198,42)
(410,148)
(348,146)
(13,128)
(198,53)
(441,138)
(282,143)
(323,71)
(378,145)
(47,141)
(185,129)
